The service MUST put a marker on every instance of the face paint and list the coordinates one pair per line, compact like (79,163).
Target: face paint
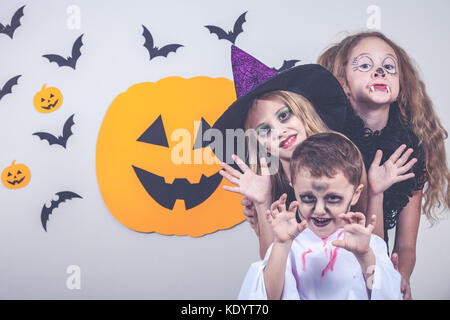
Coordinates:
(320,186)
(390,65)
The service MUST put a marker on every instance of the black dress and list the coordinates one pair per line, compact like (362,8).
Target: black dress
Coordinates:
(396,133)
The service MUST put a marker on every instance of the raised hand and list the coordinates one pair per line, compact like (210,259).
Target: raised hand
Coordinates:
(256,188)
(356,234)
(283,222)
(392,171)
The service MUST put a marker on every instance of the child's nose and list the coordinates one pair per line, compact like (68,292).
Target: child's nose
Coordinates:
(379,73)
(320,207)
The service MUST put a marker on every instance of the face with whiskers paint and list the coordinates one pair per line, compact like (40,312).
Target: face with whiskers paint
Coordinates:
(372,77)
(322,199)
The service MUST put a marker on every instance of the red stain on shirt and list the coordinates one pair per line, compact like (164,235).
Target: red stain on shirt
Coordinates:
(333,257)
(304,259)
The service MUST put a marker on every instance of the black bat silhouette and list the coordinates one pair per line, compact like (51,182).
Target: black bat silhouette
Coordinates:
(61,140)
(69,61)
(9,29)
(155,51)
(230,35)
(287,64)
(62,197)
(7,88)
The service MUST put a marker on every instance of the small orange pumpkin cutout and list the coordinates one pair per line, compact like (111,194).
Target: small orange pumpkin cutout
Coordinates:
(48,99)
(16,176)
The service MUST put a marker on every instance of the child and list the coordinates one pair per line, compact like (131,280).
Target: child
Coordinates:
(390,107)
(331,254)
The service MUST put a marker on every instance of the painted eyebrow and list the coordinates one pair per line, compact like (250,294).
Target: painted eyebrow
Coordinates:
(368,55)
(365,54)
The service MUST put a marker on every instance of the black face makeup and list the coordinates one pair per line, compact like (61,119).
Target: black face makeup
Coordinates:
(320,186)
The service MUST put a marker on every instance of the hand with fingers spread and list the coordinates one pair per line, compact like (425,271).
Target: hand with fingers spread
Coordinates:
(393,170)
(356,234)
(283,222)
(256,188)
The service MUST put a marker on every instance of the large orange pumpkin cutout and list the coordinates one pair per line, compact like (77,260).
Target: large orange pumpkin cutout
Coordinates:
(141,178)
(16,176)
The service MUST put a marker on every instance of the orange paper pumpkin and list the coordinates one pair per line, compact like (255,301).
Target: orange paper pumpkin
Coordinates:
(152,175)
(16,176)
(48,99)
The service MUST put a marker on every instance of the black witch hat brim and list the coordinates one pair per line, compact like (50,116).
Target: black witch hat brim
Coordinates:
(312,81)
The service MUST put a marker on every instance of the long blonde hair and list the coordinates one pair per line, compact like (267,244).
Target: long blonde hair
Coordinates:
(416,109)
(303,109)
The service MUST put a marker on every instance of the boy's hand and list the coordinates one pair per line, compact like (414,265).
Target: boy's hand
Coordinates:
(256,188)
(284,224)
(356,234)
(392,171)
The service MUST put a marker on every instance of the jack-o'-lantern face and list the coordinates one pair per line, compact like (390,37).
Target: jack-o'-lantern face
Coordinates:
(48,99)
(16,176)
(152,173)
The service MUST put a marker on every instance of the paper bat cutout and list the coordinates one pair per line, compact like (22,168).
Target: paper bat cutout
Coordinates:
(7,88)
(9,29)
(155,51)
(230,35)
(61,140)
(287,64)
(69,61)
(63,196)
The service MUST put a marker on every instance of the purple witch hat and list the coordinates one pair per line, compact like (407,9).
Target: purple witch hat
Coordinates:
(248,72)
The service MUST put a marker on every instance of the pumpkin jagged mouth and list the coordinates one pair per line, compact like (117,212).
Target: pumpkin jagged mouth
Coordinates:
(51,105)
(14,182)
(166,194)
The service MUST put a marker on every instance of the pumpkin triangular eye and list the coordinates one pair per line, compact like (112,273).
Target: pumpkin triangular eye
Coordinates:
(155,134)
(51,95)
(199,143)
(19,172)
(9,174)
(42,99)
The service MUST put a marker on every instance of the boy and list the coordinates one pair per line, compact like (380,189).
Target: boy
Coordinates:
(331,254)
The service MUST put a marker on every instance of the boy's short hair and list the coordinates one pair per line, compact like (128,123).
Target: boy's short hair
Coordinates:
(324,154)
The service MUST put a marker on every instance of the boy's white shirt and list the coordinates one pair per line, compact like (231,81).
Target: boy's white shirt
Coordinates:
(316,269)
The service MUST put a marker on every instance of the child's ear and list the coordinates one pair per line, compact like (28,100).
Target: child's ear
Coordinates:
(344,86)
(357,194)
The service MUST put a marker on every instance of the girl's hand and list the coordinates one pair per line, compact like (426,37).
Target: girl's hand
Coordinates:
(405,287)
(250,212)
(392,171)
(256,188)
(284,224)
(356,234)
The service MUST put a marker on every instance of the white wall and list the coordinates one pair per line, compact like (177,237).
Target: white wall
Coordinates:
(116,262)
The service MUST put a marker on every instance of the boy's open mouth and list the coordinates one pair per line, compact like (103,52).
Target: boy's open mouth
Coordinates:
(321,222)
(376,87)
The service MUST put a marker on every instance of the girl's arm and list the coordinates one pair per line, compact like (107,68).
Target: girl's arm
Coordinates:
(406,238)
(263,229)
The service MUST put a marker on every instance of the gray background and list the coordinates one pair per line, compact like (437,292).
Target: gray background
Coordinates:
(116,262)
